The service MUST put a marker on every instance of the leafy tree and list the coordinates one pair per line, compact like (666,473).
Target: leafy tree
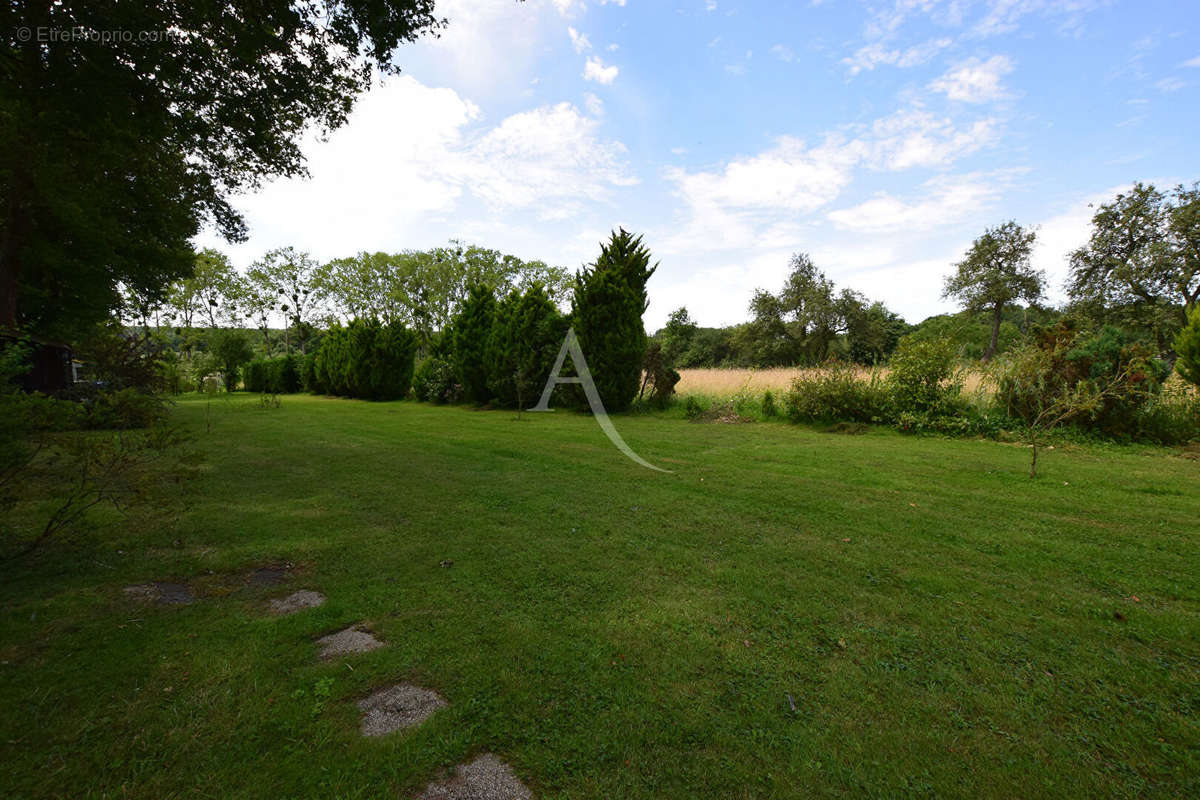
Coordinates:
(677,335)
(873,332)
(230,350)
(292,276)
(610,298)
(817,315)
(1141,266)
(471,335)
(1187,349)
(213,287)
(113,151)
(766,340)
(996,273)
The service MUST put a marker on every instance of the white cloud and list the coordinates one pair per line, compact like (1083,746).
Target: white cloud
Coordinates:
(1167,85)
(579,40)
(489,44)
(381,182)
(787,176)
(710,5)
(975,81)
(595,70)
(1193,62)
(872,55)
(567,7)
(943,201)
(917,138)
(783,53)
(593,104)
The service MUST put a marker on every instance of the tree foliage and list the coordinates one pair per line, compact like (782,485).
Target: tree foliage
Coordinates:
(366,359)
(1141,266)
(114,150)
(471,335)
(525,337)
(610,298)
(995,273)
(1187,349)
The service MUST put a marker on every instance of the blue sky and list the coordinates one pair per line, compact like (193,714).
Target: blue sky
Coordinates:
(879,137)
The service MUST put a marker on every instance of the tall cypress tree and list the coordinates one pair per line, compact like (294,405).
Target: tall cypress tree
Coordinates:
(472,330)
(609,300)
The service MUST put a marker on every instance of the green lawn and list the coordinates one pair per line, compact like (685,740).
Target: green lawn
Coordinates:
(943,625)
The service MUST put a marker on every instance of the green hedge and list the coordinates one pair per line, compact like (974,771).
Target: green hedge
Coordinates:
(365,359)
(274,375)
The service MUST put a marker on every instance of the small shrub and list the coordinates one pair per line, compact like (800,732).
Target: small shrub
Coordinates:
(123,410)
(658,376)
(836,394)
(922,378)
(1171,417)
(435,382)
(768,405)
(692,408)
(1187,347)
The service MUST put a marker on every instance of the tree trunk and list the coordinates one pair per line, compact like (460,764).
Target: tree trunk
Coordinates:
(10,254)
(997,314)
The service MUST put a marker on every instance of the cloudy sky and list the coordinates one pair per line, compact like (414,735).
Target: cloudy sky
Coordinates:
(881,138)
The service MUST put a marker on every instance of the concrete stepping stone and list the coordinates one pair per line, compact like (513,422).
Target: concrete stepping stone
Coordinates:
(398,707)
(351,640)
(162,593)
(485,778)
(297,601)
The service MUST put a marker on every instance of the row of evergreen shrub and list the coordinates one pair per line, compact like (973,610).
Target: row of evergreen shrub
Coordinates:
(367,359)
(273,375)
(501,350)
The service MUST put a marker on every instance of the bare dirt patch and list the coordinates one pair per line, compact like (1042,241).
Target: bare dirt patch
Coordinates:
(398,707)
(724,414)
(297,601)
(268,576)
(163,593)
(485,778)
(351,640)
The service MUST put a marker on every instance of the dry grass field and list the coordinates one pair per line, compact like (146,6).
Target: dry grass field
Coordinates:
(728,382)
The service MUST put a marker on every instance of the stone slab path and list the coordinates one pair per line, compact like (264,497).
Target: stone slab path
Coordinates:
(484,778)
(297,601)
(397,707)
(351,640)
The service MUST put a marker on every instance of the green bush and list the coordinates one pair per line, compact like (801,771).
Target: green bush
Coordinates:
(255,375)
(434,381)
(470,337)
(1171,417)
(284,375)
(1114,383)
(922,378)
(835,394)
(366,359)
(124,409)
(308,373)
(768,405)
(1187,348)
(527,333)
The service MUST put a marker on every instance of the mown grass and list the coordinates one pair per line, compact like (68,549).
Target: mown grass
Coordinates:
(789,613)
